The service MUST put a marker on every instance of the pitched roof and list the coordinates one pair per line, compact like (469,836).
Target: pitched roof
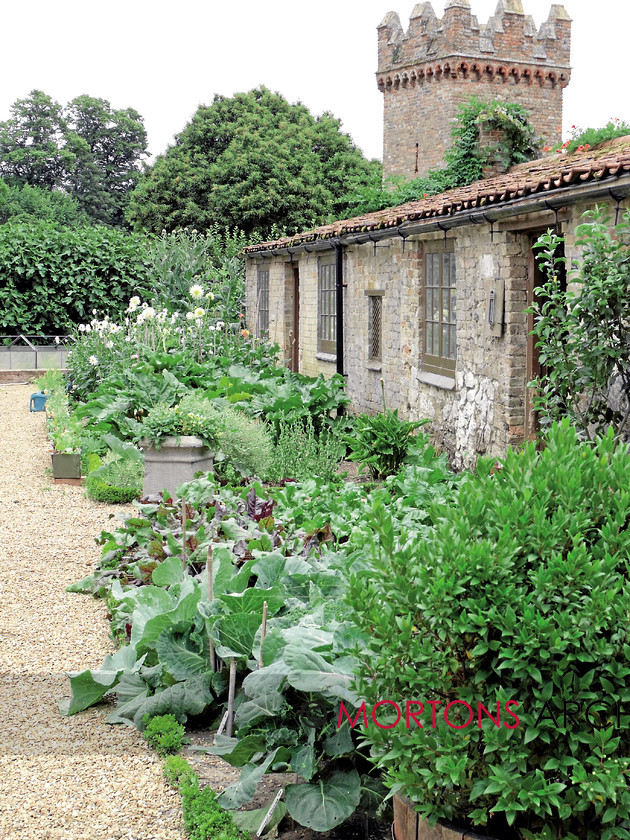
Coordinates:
(545,175)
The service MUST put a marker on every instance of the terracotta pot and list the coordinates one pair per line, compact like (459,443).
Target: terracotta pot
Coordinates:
(408,825)
(175,462)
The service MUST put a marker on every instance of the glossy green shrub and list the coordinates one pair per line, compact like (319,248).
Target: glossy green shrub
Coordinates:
(520,593)
(54,276)
(99,491)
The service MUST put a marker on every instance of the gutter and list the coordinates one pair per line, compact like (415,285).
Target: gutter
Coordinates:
(616,189)
(339,302)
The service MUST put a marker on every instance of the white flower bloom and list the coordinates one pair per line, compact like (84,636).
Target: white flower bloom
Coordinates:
(174,317)
(146,315)
(220,325)
(190,316)
(210,296)
(196,292)
(94,312)
(81,327)
(88,328)
(134,303)
(109,344)
(212,329)
(93,360)
(199,322)
(199,312)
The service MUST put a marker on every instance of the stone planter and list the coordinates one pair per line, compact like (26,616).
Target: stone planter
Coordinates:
(408,825)
(175,462)
(66,465)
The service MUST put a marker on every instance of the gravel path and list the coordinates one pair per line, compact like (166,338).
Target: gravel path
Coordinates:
(60,778)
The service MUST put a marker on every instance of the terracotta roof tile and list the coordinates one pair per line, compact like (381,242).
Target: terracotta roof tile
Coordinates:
(543,175)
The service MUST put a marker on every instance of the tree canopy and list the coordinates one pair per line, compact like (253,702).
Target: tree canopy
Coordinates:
(254,162)
(88,150)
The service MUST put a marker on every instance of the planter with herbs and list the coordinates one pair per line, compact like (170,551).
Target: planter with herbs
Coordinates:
(64,430)
(178,441)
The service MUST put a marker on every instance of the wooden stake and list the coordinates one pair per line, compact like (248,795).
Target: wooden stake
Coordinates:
(263,633)
(210,572)
(183,518)
(231,693)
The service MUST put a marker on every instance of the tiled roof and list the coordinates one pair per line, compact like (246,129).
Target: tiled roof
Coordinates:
(540,176)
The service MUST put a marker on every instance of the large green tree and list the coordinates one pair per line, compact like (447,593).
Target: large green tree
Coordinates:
(254,162)
(107,147)
(32,142)
(89,150)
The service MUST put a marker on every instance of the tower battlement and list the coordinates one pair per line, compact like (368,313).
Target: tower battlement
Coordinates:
(426,72)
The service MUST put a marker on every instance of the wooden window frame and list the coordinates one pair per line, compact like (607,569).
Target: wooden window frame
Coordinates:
(438,327)
(327,305)
(262,301)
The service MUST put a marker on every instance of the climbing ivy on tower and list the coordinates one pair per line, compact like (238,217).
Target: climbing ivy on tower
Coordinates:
(465,160)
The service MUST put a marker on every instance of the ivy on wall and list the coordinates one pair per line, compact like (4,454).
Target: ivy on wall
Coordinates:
(465,160)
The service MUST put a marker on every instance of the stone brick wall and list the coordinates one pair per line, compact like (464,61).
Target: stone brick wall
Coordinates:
(483,409)
(427,72)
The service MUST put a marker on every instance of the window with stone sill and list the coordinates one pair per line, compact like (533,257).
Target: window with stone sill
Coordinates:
(262,297)
(439,310)
(375,326)
(327,305)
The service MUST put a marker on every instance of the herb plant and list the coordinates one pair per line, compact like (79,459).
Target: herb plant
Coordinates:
(192,416)
(299,453)
(164,733)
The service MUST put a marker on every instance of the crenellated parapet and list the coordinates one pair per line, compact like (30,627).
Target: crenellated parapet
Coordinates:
(510,40)
(427,71)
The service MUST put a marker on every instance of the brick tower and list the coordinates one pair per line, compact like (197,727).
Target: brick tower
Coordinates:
(428,71)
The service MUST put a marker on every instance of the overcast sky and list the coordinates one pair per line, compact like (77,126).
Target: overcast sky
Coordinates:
(165,60)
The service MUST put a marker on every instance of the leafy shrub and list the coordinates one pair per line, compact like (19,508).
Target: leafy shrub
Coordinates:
(54,276)
(301,454)
(50,381)
(381,442)
(26,202)
(118,478)
(164,733)
(204,818)
(580,332)
(245,443)
(521,592)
